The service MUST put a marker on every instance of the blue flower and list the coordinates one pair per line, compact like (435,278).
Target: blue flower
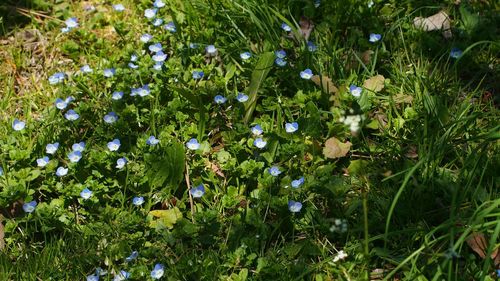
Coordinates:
(117,95)
(61,171)
(132,65)
(114,145)
(317,3)
(355,90)
(280,54)
(109,72)
(159,4)
(170,27)
(57,78)
(122,275)
(280,62)
(18,125)
(294,206)
(311,47)
(78,146)
(498,273)
(92,278)
(298,183)
(211,50)
(198,191)
(455,53)
(155,47)
(245,55)
(291,127)
(133,57)
(193,144)
(1,171)
(71,23)
(242,97)
(157,271)
(158,66)
(257,130)
(74,156)
(286,27)
(159,57)
(121,162)
(150,13)
(145,38)
(138,201)
(260,143)
(306,74)
(60,103)
(71,115)
(132,256)
(197,74)
(119,7)
(30,206)
(218,99)
(86,69)
(152,140)
(274,171)
(374,37)
(157,22)
(86,193)
(51,148)
(110,118)
(144,90)
(42,162)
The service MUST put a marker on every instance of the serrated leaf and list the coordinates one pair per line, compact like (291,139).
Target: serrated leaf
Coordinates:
(335,148)
(375,83)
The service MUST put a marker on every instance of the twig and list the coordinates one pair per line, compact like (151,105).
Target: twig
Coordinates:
(189,193)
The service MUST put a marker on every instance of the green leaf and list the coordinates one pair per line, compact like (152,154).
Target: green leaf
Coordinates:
(167,168)
(166,218)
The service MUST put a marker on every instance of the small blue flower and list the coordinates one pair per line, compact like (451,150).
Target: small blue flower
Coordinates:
(158,66)
(86,69)
(18,125)
(92,278)
(157,271)
(74,156)
(286,27)
(30,206)
(61,171)
(133,57)
(280,62)
(71,23)
(498,273)
(245,55)
(144,90)
(170,27)
(374,37)
(260,143)
(294,206)
(155,47)
(291,127)
(306,74)
(86,193)
(109,72)
(242,97)
(274,171)
(110,118)
(152,140)
(197,74)
(121,162)
(57,78)
(71,115)
(280,54)
(355,90)
(119,7)
(78,146)
(218,99)
(138,201)
(114,145)
(193,144)
(117,95)
(159,57)
(311,47)
(298,183)
(51,148)
(145,38)
(122,275)
(69,99)
(60,103)
(42,162)
(150,13)
(1,171)
(132,65)
(257,130)
(197,192)
(193,45)
(317,3)
(159,4)
(132,256)
(455,53)
(211,50)
(157,22)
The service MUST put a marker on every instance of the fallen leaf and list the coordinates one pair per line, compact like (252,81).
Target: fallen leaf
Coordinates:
(375,83)
(439,21)
(215,168)
(325,83)
(335,148)
(366,56)
(306,27)
(478,243)
(166,218)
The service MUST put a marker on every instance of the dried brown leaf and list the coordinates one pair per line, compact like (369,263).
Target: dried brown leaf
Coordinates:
(478,243)
(335,148)
(215,168)
(375,83)
(306,27)
(439,21)
(325,83)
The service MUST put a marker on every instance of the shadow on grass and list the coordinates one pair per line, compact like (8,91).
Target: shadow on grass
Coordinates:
(18,13)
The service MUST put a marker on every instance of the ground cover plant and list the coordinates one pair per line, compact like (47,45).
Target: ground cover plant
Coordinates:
(249,140)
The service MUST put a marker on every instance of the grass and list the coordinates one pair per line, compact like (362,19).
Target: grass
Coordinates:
(417,184)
